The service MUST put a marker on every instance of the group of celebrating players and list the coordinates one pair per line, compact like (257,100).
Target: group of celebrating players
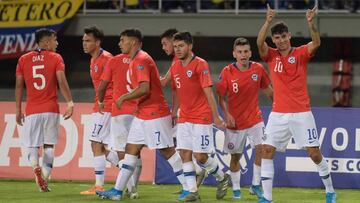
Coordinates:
(130,110)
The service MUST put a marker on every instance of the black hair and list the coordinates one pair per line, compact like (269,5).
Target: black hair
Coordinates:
(169,33)
(279,28)
(43,32)
(184,36)
(241,41)
(132,32)
(95,31)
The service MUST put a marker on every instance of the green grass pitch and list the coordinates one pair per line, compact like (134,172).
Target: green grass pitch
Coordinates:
(68,192)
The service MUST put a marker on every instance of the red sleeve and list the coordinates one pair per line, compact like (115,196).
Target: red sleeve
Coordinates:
(305,52)
(60,66)
(204,74)
(269,54)
(19,67)
(142,69)
(221,86)
(107,73)
(265,80)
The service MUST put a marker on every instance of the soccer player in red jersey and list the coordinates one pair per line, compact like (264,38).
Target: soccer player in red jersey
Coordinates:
(152,123)
(41,71)
(117,73)
(240,82)
(291,115)
(191,82)
(100,136)
(167,42)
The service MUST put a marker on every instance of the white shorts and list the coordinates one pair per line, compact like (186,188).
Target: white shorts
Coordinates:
(235,140)
(101,128)
(40,129)
(119,130)
(155,133)
(198,138)
(301,126)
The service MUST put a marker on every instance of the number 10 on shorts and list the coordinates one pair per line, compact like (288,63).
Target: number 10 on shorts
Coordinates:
(312,135)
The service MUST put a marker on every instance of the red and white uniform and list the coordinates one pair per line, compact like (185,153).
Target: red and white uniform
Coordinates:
(194,131)
(152,124)
(101,130)
(117,72)
(39,69)
(242,89)
(291,115)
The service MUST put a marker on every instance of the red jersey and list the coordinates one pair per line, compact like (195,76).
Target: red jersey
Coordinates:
(143,69)
(117,73)
(189,83)
(39,69)
(97,68)
(288,75)
(242,89)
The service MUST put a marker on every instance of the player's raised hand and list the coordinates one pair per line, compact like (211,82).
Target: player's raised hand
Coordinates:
(20,118)
(270,14)
(68,112)
(310,13)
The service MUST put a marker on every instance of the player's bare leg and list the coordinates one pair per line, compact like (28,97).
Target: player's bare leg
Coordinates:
(267,172)
(323,169)
(255,188)
(212,167)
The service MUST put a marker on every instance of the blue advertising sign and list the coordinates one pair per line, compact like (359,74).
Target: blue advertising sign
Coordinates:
(339,138)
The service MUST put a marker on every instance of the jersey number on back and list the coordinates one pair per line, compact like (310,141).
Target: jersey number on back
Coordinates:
(38,75)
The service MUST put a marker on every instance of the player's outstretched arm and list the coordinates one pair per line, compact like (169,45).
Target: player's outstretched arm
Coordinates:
(230,121)
(315,35)
(65,91)
(269,92)
(212,103)
(19,89)
(260,41)
(101,93)
(165,80)
(141,90)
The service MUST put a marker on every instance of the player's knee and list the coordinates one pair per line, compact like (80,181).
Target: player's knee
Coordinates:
(268,151)
(315,155)
(201,158)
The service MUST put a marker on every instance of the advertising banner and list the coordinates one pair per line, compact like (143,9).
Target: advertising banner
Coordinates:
(73,155)
(19,20)
(339,135)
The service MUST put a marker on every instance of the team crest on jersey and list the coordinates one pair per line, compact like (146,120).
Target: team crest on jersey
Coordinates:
(140,67)
(96,68)
(189,73)
(254,77)
(292,59)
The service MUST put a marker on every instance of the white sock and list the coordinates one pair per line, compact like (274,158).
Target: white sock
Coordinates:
(190,176)
(213,168)
(131,184)
(175,162)
(267,176)
(325,176)
(198,168)
(235,179)
(256,175)
(127,169)
(33,156)
(48,160)
(113,158)
(137,171)
(99,168)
